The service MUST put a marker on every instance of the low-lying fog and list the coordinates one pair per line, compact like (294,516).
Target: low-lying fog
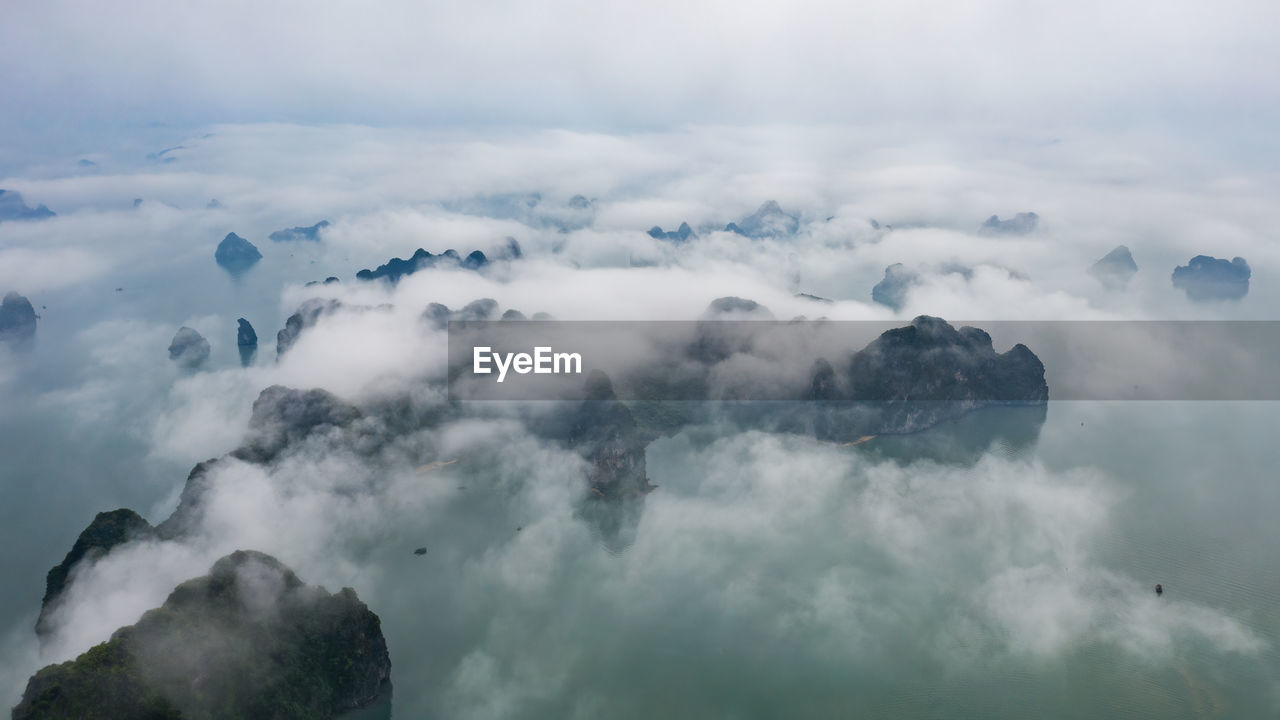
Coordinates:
(972,570)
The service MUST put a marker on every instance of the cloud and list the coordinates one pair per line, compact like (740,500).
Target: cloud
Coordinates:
(36,271)
(388,192)
(586,64)
(755,544)
(822,554)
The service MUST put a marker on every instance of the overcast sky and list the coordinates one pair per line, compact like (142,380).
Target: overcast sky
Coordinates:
(71,64)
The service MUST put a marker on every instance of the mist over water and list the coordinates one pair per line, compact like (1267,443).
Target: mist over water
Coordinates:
(999,562)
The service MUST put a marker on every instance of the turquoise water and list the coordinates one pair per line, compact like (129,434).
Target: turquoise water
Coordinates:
(994,567)
(772,576)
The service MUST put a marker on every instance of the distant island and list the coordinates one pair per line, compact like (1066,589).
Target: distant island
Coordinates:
(236,254)
(17,319)
(769,220)
(1115,268)
(395,268)
(299,233)
(12,207)
(1020,224)
(189,348)
(681,235)
(1209,278)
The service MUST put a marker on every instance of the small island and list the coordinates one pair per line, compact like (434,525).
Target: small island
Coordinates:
(17,319)
(235,254)
(1209,278)
(189,348)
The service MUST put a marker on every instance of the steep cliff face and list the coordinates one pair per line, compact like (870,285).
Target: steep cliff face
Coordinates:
(914,377)
(283,416)
(1209,278)
(248,640)
(236,254)
(107,530)
(908,379)
(680,236)
(396,268)
(891,291)
(770,220)
(932,360)
(189,348)
(605,432)
(1115,268)
(438,316)
(1020,224)
(307,315)
(245,334)
(17,319)
(190,510)
(246,342)
(13,207)
(296,234)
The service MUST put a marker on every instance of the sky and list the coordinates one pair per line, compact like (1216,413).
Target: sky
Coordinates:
(73,65)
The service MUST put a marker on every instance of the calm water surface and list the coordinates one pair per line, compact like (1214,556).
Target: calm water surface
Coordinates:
(992,568)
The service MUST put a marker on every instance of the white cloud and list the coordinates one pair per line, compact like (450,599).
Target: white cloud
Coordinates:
(35,271)
(582,63)
(798,541)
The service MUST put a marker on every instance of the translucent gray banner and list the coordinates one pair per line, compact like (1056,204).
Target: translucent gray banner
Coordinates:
(925,360)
